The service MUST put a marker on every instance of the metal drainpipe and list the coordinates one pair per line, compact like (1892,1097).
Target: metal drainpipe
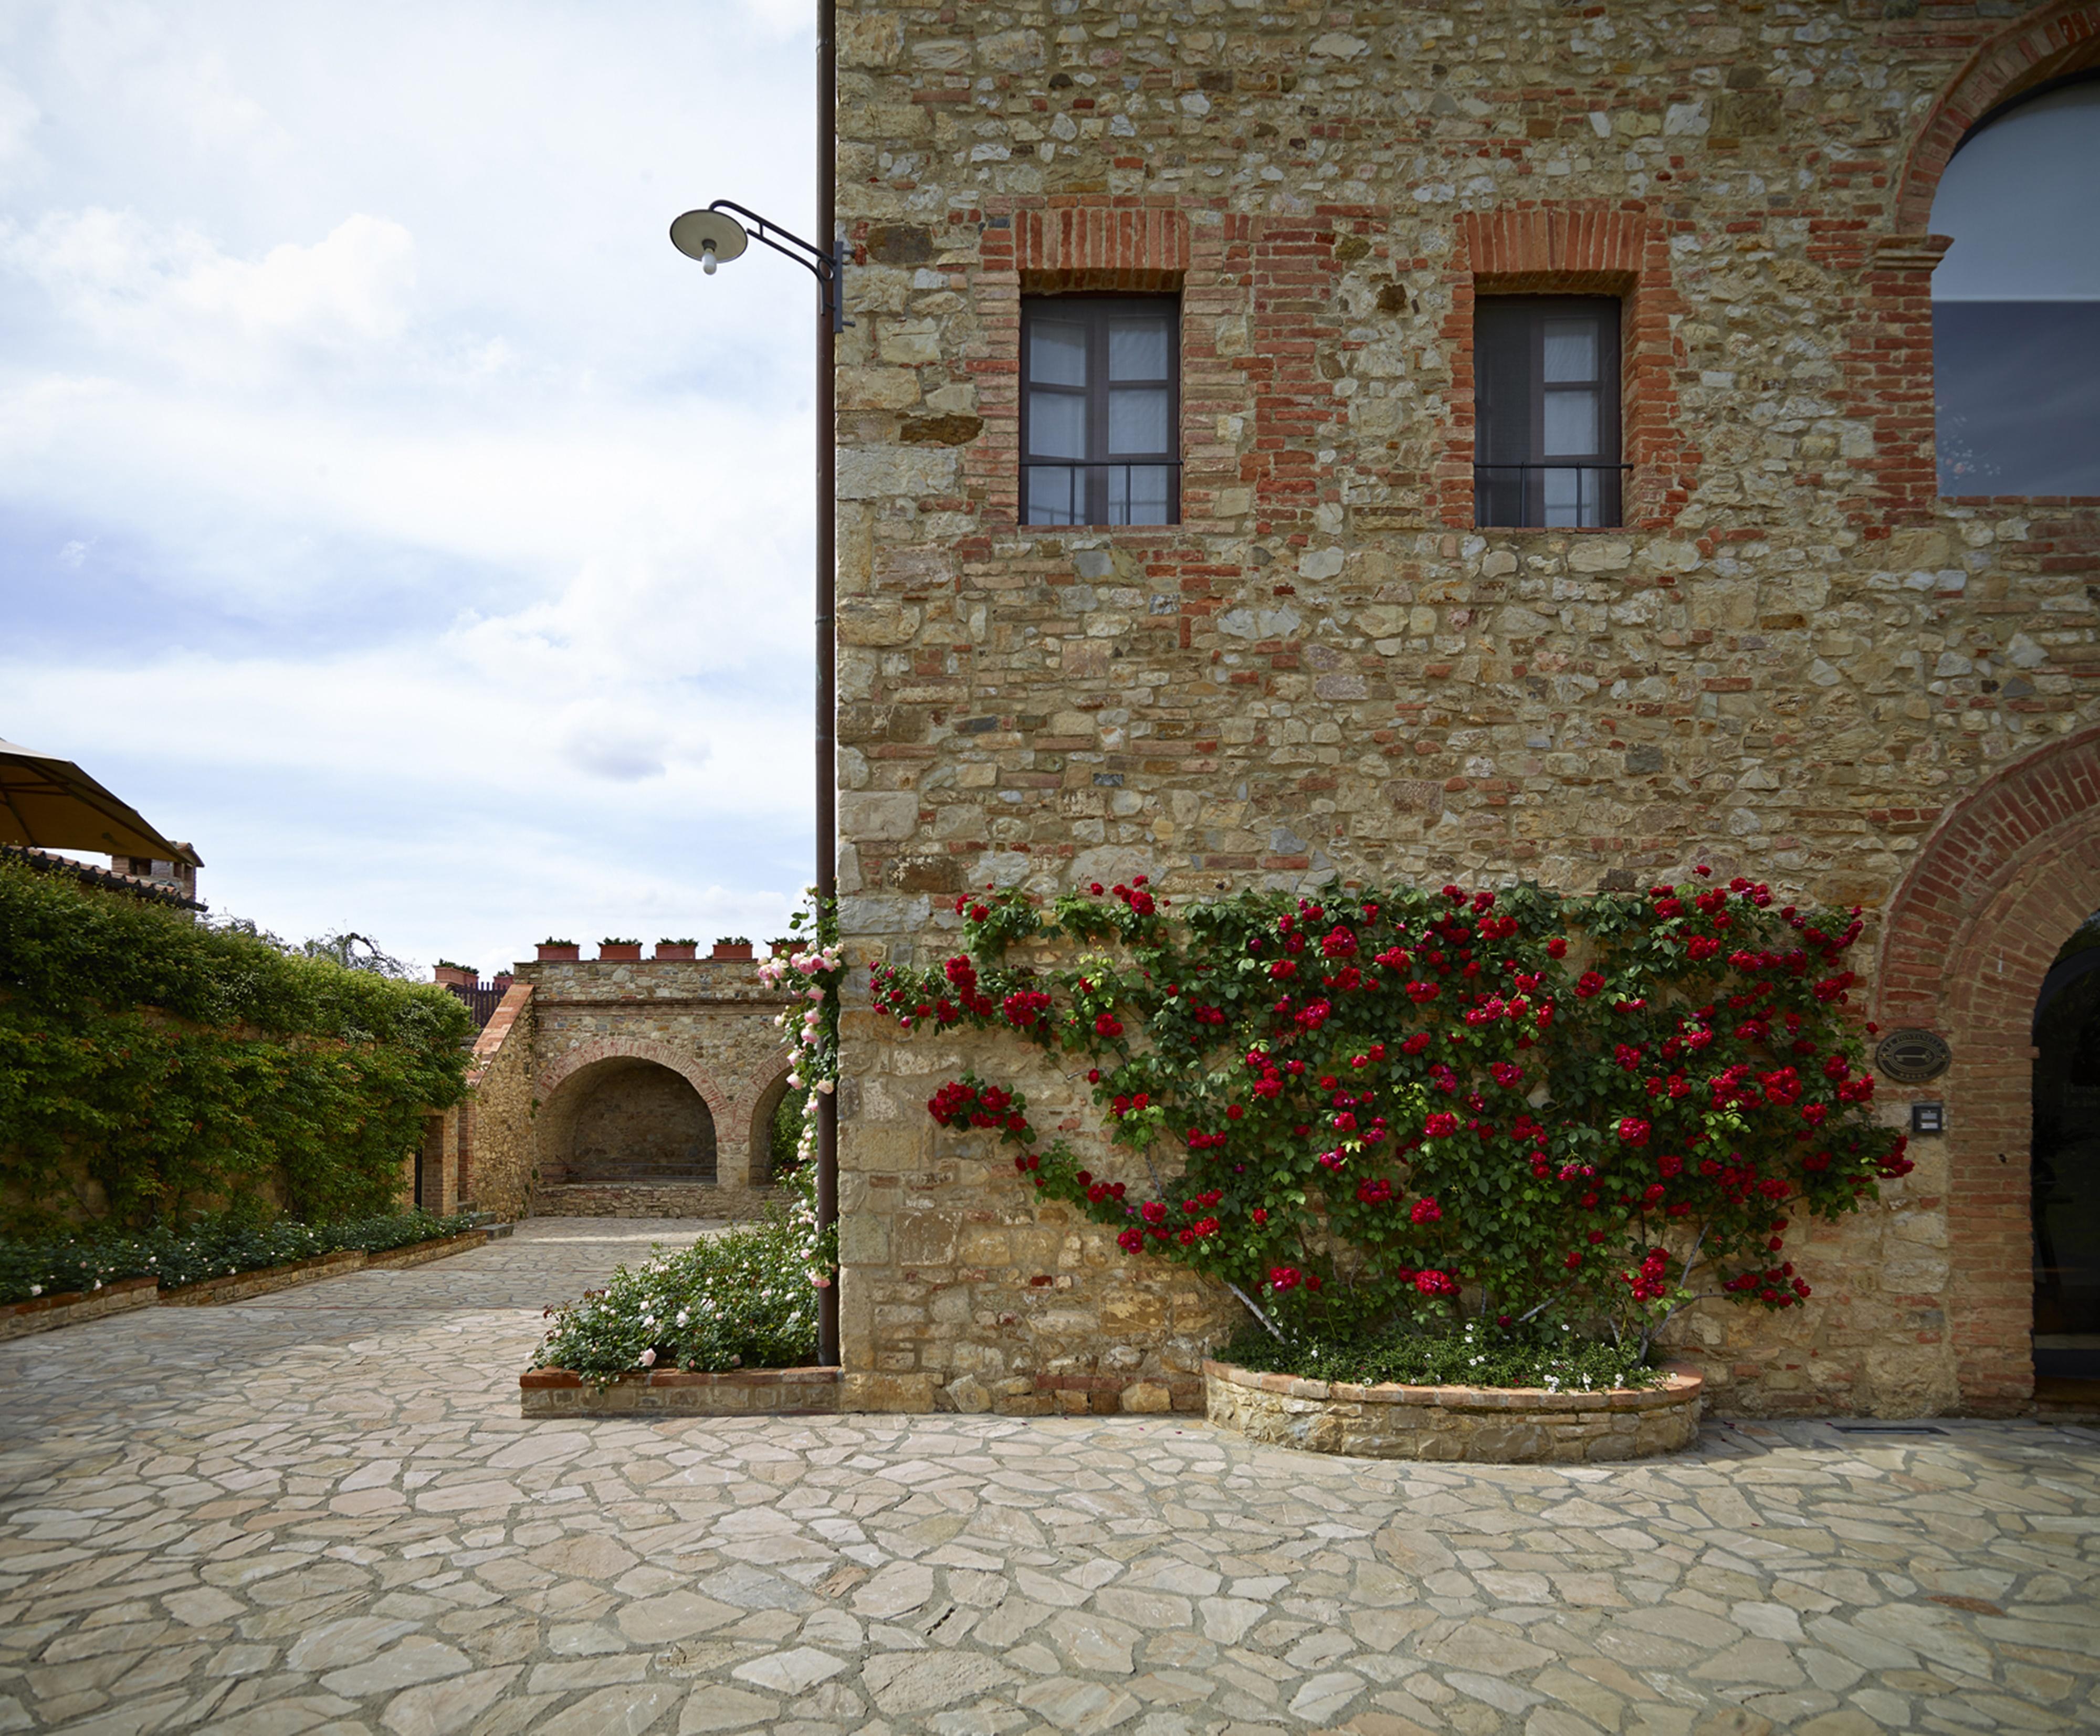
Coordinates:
(827,878)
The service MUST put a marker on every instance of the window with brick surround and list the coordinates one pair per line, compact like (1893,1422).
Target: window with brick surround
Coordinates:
(1099,410)
(1547,412)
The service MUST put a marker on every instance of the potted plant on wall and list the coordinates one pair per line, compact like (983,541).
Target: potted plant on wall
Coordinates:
(614,950)
(676,951)
(733,949)
(560,951)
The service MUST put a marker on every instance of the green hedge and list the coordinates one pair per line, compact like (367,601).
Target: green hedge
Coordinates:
(210,1248)
(151,1067)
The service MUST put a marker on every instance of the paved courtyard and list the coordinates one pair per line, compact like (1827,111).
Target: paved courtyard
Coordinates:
(320,1511)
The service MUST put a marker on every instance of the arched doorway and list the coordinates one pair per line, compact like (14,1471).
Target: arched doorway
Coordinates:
(776,1129)
(633,1121)
(1969,941)
(2066,1167)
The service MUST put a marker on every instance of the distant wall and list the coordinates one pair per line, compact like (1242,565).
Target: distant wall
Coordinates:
(498,1159)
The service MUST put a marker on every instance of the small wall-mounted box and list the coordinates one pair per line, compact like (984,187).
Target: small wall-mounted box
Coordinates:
(1928,1117)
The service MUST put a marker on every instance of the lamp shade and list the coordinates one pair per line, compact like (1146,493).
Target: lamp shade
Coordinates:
(696,233)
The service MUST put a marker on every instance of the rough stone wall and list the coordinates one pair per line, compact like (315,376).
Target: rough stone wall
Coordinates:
(498,1153)
(1792,660)
(709,1022)
(640,1122)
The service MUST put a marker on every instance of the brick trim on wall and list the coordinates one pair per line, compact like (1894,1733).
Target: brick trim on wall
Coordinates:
(2055,40)
(1576,249)
(2005,876)
(1069,247)
(1036,246)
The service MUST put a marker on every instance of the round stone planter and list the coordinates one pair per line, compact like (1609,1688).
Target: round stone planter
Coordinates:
(1480,1425)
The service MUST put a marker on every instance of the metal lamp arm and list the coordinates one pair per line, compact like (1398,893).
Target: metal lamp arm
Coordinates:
(820,265)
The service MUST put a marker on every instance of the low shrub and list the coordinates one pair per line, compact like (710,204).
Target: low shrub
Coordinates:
(1477,1354)
(742,1299)
(210,1248)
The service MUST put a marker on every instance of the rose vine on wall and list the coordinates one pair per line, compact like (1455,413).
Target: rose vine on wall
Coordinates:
(1389,1102)
(813,974)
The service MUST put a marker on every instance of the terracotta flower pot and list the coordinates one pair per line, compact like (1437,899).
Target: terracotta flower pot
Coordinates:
(613,953)
(567,950)
(734,954)
(672,950)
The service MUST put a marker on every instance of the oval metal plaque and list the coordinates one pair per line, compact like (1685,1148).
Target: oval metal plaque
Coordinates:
(1913,1057)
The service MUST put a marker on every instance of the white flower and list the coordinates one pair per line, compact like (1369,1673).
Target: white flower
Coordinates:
(649,1359)
(825,1086)
(36,1289)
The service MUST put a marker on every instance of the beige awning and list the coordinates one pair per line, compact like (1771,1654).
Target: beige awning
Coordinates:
(50,804)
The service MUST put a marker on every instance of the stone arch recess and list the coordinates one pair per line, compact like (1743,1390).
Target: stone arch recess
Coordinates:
(2048,43)
(2002,880)
(720,1104)
(764,1101)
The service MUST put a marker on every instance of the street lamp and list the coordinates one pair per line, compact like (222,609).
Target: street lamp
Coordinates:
(715,236)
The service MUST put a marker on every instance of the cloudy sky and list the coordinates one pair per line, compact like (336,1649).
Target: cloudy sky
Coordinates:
(384,505)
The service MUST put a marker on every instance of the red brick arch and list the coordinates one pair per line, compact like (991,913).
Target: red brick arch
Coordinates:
(2048,43)
(2003,879)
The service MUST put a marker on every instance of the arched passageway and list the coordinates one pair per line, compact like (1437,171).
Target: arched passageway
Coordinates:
(632,1121)
(1971,936)
(2065,1168)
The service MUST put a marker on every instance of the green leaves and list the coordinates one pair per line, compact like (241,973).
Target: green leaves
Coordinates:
(151,1068)
(1397,1100)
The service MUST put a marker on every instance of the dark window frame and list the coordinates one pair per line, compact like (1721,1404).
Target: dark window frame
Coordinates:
(1095,311)
(1503,320)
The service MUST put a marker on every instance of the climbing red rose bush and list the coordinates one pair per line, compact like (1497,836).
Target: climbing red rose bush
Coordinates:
(1381,1103)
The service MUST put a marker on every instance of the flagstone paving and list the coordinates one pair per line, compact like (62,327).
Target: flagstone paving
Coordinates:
(320,1511)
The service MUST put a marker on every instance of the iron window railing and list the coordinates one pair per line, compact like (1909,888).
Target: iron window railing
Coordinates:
(1571,494)
(1109,491)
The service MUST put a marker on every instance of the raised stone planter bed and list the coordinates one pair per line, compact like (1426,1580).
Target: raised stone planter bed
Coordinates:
(240,1286)
(417,1253)
(1480,1425)
(44,1313)
(666,1392)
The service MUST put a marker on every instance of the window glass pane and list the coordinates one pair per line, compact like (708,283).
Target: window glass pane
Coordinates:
(1574,496)
(1571,351)
(1058,353)
(1138,494)
(1137,349)
(1563,497)
(1057,425)
(1137,420)
(1056,495)
(1571,424)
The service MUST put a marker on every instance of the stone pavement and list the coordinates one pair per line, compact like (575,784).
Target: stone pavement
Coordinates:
(320,1511)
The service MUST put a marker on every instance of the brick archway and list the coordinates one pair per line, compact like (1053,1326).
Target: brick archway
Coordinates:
(2002,880)
(2048,43)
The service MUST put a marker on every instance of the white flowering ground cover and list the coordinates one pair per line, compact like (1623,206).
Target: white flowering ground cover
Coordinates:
(742,1299)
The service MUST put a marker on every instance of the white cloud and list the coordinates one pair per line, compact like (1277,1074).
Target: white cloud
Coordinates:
(418,532)
(172,297)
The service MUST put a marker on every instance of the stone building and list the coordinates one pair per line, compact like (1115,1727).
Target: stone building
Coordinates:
(1337,275)
(619,1086)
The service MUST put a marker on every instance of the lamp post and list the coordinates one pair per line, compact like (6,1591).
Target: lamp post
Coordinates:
(715,236)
